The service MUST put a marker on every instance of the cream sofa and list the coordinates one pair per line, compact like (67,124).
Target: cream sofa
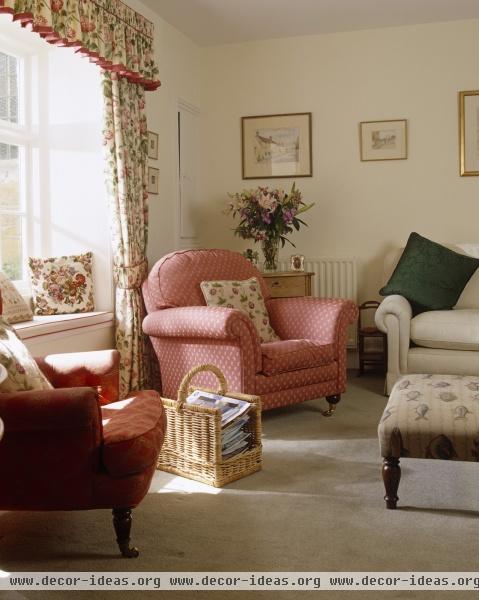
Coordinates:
(438,341)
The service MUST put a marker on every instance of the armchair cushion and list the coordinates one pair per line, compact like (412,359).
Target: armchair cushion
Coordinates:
(290,355)
(23,372)
(429,275)
(133,431)
(242,295)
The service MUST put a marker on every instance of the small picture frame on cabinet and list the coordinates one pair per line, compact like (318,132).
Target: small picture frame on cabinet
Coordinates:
(296,262)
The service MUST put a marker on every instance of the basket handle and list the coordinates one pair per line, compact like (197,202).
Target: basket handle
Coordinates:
(185,382)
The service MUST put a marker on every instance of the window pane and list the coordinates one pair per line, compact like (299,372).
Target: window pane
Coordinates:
(9,177)
(8,88)
(11,252)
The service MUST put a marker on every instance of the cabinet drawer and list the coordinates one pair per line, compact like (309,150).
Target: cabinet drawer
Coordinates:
(287,287)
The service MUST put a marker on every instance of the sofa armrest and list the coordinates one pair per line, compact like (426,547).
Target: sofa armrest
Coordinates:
(98,369)
(323,320)
(393,317)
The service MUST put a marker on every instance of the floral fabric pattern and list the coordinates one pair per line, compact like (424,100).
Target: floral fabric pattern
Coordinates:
(242,295)
(126,148)
(23,372)
(62,285)
(14,309)
(109,32)
(432,416)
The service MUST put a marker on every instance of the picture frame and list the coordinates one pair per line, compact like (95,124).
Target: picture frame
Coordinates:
(153,180)
(274,146)
(296,262)
(468,133)
(383,140)
(153,145)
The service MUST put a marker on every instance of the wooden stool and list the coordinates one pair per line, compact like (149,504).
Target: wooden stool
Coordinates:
(371,356)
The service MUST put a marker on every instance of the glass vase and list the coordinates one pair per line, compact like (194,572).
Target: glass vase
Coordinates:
(270,248)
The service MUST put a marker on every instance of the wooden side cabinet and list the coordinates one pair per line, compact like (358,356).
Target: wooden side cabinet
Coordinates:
(289,284)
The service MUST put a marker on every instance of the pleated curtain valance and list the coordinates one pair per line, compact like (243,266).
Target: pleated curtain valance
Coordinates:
(109,32)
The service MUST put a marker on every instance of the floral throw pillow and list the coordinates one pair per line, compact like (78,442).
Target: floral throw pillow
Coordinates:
(62,285)
(23,373)
(14,307)
(245,296)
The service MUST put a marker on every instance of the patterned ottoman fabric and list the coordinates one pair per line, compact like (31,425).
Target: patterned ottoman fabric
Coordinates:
(432,416)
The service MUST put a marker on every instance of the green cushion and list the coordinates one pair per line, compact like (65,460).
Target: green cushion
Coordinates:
(429,275)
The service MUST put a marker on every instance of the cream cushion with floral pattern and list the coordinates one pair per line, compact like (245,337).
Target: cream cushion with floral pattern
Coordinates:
(62,285)
(245,296)
(23,372)
(15,309)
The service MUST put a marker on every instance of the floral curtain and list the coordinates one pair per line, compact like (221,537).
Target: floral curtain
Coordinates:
(125,139)
(109,32)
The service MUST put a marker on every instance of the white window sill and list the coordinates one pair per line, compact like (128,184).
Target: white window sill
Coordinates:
(63,324)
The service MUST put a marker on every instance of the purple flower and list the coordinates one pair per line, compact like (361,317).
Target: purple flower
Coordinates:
(266,216)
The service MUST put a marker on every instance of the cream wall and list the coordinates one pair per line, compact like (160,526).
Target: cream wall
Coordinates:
(363,208)
(180,63)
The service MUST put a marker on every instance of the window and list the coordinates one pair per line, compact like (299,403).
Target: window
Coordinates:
(13,148)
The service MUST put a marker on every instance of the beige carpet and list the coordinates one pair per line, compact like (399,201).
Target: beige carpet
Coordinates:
(316,506)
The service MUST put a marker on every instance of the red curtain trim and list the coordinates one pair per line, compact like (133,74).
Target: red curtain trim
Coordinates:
(52,37)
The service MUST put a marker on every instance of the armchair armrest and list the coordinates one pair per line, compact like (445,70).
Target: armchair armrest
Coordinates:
(205,323)
(393,317)
(98,369)
(321,319)
(51,448)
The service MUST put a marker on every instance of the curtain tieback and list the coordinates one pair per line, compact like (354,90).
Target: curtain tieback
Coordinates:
(131,276)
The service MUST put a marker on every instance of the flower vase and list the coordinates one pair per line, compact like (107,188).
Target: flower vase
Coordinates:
(270,248)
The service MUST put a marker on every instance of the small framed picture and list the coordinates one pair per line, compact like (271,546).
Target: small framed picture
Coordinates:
(469,133)
(153,177)
(152,145)
(383,140)
(296,262)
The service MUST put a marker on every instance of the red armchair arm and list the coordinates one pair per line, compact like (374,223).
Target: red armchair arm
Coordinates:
(321,319)
(98,369)
(205,323)
(50,448)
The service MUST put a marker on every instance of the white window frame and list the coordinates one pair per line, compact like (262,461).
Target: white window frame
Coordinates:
(21,134)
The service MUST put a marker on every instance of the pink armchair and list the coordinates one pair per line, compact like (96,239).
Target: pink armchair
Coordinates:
(61,450)
(308,362)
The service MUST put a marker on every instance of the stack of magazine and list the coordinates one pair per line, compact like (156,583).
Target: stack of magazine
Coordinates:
(235,434)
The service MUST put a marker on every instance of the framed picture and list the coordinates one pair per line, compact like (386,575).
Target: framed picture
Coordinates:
(276,146)
(469,133)
(153,177)
(383,140)
(152,145)
(296,262)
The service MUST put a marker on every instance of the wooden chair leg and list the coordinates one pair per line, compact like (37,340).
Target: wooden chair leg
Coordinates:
(391,477)
(332,401)
(122,525)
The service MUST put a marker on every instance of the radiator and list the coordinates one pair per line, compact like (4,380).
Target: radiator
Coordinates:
(334,278)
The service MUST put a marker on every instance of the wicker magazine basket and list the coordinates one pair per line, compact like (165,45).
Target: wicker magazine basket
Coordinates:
(192,447)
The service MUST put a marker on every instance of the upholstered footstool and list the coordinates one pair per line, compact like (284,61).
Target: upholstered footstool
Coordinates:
(428,416)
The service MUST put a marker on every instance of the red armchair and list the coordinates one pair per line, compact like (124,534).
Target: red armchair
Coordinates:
(61,450)
(308,362)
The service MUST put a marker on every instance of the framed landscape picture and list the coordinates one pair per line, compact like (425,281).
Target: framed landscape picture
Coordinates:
(383,140)
(469,133)
(276,146)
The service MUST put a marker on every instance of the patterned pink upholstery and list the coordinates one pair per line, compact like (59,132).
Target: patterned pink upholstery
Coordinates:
(290,355)
(309,362)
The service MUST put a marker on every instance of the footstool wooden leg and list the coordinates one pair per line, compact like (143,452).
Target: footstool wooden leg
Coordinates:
(391,478)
